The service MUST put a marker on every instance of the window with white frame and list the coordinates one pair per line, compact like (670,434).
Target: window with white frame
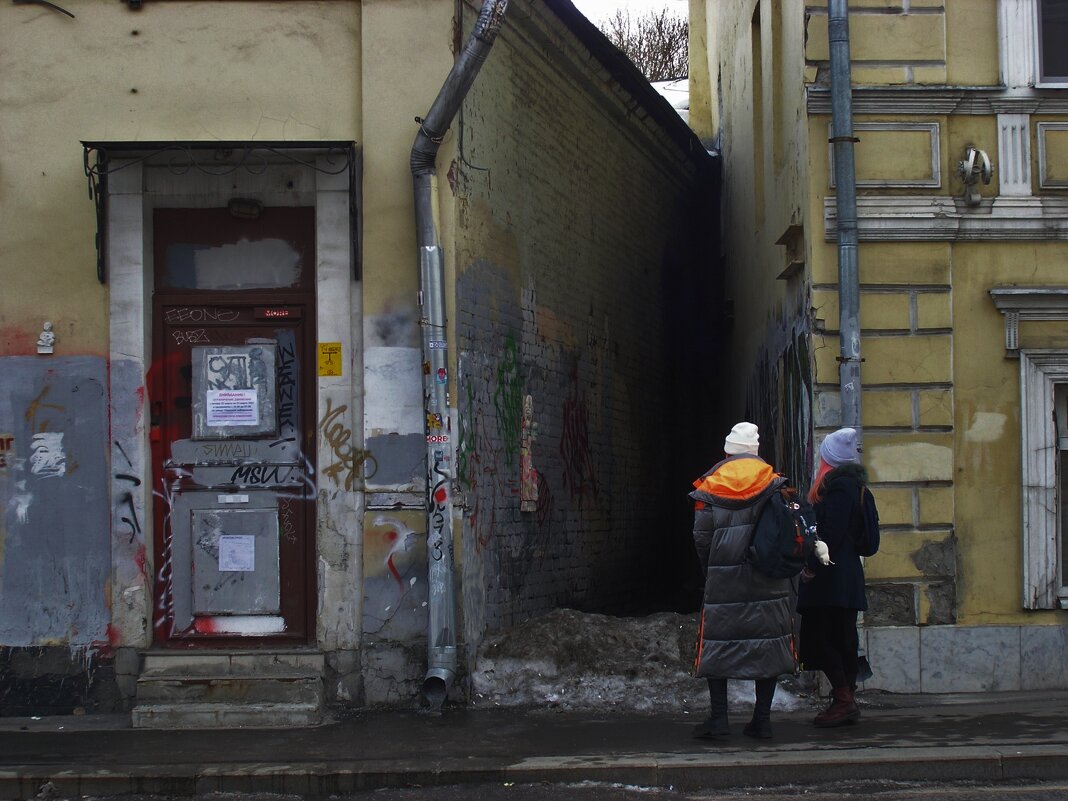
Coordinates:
(1052,35)
(1044,435)
(1044,443)
(1031,36)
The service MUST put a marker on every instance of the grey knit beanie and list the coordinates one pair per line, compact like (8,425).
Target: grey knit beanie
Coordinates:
(840,447)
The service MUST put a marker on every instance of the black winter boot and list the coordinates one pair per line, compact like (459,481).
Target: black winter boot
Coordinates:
(760,726)
(716,727)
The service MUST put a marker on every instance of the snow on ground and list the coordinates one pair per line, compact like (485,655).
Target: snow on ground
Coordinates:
(576,660)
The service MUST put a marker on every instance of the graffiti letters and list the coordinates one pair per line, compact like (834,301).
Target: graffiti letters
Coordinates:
(260,474)
(128,507)
(164,613)
(287,385)
(229,372)
(579,475)
(200,315)
(194,336)
(508,401)
(226,450)
(286,520)
(348,458)
(439,516)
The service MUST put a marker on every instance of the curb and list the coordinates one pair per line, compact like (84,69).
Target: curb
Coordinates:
(988,764)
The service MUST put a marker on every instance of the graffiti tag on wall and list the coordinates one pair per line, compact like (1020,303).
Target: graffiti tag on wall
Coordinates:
(348,459)
(579,473)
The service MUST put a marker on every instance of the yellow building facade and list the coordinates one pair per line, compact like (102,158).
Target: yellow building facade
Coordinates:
(260,432)
(960,114)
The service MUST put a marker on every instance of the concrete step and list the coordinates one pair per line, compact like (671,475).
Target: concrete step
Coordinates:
(275,686)
(226,689)
(225,716)
(234,662)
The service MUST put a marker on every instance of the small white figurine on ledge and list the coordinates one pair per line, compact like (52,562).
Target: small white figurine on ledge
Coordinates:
(46,340)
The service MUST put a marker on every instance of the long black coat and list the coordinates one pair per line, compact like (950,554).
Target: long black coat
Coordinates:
(840,522)
(746,622)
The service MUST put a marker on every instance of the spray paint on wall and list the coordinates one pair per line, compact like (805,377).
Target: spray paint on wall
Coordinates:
(55,559)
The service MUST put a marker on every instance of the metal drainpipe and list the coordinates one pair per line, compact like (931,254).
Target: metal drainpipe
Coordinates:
(441,630)
(846,202)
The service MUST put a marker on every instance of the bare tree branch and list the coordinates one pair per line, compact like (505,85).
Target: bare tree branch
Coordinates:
(657,43)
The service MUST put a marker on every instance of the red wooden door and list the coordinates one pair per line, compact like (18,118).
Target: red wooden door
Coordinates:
(232,427)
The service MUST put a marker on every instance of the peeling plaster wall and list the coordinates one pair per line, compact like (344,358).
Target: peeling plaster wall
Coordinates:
(405,61)
(266,71)
(575,263)
(55,556)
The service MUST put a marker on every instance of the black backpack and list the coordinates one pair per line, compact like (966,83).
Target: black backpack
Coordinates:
(867,541)
(784,536)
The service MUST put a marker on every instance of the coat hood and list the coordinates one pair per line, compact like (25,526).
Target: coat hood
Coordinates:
(736,480)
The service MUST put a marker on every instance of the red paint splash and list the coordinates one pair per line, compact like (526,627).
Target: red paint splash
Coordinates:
(141,561)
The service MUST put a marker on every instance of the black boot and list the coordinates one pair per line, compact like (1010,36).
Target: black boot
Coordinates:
(760,726)
(716,727)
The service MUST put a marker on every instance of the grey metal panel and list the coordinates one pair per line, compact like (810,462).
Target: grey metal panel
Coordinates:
(55,540)
(235,451)
(192,557)
(234,391)
(250,475)
(235,562)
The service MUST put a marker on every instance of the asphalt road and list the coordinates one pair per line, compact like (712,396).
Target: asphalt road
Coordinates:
(589,791)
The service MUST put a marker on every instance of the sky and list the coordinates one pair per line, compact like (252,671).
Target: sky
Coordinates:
(599,10)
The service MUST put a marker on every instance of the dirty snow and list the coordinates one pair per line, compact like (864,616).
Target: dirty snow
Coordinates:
(576,660)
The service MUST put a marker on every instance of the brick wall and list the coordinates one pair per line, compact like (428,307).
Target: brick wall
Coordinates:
(584,283)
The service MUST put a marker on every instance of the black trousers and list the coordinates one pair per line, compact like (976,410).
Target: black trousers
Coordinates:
(829,642)
(765,694)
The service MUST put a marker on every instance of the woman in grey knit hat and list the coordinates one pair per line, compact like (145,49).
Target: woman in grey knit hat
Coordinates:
(831,596)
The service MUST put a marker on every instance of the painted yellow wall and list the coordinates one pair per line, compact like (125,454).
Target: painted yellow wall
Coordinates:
(399,82)
(922,42)
(765,168)
(940,420)
(987,389)
(703,117)
(171,71)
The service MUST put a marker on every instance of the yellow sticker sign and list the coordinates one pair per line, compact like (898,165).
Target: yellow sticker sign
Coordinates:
(329,358)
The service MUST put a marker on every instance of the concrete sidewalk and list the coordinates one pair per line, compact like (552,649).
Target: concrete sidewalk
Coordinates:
(987,738)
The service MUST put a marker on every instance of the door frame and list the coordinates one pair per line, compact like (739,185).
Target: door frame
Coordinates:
(141,177)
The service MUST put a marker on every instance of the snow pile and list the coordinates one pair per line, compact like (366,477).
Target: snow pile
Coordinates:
(576,660)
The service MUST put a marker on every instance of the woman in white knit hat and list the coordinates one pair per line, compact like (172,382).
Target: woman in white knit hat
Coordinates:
(746,630)
(831,596)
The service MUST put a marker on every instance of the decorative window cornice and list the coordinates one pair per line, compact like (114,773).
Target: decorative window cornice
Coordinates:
(1028,303)
(929,218)
(943,100)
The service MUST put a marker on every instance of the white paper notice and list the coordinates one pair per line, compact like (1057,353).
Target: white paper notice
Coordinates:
(233,407)
(237,552)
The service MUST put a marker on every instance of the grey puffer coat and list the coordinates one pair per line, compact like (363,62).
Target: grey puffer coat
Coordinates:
(746,622)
